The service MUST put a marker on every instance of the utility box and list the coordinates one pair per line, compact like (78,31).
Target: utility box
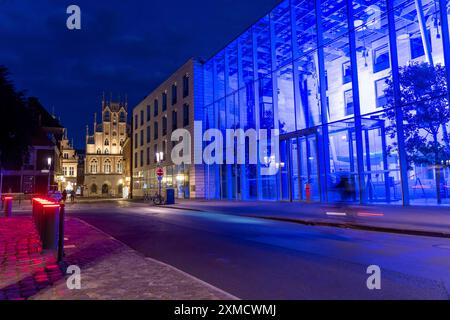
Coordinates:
(170,196)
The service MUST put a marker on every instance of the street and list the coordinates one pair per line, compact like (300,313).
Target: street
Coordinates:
(254,258)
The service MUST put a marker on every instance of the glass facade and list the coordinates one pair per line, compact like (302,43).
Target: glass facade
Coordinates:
(358,90)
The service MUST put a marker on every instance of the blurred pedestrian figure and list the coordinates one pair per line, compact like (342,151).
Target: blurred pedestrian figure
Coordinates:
(64,195)
(72,196)
(345,189)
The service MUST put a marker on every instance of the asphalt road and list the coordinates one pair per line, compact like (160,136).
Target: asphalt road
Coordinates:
(262,259)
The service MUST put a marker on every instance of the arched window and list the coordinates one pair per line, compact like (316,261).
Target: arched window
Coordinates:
(99,151)
(119,166)
(122,117)
(107,116)
(106,151)
(94,188)
(114,133)
(107,166)
(93,167)
(106,142)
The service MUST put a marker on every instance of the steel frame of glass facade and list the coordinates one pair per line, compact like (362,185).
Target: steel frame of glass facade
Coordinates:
(329,74)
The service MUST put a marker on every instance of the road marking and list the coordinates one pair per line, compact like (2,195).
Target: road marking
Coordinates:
(370,214)
(336,214)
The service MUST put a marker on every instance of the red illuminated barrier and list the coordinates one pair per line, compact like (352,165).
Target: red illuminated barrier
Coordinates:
(7,200)
(46,216)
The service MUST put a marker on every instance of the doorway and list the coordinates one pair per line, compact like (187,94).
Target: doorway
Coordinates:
(299,173)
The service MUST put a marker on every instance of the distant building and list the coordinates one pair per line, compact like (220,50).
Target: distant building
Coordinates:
(69,166)
(104,151)
(171,106)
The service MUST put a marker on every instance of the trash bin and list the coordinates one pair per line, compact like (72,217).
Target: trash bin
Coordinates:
(170,196)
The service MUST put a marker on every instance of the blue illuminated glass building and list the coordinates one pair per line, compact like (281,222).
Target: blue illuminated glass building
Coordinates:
(358,90)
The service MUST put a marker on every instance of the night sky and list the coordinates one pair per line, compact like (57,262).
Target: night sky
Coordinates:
(124,47)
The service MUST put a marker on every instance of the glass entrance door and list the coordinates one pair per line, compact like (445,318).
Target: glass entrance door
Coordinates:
(299,168)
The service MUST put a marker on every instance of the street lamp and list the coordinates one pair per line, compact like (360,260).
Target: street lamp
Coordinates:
(49,162)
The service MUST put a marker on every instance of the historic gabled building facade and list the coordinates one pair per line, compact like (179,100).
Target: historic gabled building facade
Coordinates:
(69,166)
(104,151)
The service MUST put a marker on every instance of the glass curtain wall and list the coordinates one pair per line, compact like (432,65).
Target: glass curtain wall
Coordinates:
(358,90)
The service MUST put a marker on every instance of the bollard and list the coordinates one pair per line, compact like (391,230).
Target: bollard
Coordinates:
(8,206)
(62,212)
(50,226)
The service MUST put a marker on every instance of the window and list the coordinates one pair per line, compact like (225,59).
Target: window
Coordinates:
(71,171)
(346,72)
(380,86)
(99,151)
(64,171)
(148,113)
(155,108)
(174,120)
(135,121)
(142,117)
(66,155)
(349,108)
(135,140)
(135,160)
(185,115)
(164,146)
(106,142)
(416,44)
(381,59)
(122,117)
(148,134)
(107,166)
(174,93)
(142,138)
(148,156)
(155,151)
(142,158)
(164,126)
(93,166)
(185,86)
(155,131)
(119,166)
(106,151)
(164,101)
(107,116)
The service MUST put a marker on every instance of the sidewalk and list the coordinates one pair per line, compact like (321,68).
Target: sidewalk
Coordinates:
(109,269)
(427,221)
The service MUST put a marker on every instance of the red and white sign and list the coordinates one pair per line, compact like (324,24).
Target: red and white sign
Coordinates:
(159,172)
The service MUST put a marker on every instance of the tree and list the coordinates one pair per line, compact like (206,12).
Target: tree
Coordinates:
(16,124)
(425,110)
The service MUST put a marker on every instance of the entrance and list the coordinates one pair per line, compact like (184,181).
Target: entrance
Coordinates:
(299,166)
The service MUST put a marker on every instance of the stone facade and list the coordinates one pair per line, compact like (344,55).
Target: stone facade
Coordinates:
(104,151)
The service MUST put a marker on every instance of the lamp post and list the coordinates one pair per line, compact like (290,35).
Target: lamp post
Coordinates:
(49,163)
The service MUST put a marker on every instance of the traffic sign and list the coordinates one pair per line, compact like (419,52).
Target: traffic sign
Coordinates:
(159,172)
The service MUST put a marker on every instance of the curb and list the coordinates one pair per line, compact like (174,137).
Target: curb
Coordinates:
(435,234)
(355,226)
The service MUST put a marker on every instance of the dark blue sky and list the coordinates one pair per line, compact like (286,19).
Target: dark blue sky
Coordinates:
(123,46)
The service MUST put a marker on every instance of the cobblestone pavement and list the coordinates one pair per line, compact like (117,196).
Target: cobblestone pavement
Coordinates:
(112,270)
(24,268)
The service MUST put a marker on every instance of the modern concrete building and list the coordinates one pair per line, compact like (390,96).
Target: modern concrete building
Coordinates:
(104,148)
(176,103)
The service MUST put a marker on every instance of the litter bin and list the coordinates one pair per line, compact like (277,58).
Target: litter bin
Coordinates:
(50,226)
(170,196)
